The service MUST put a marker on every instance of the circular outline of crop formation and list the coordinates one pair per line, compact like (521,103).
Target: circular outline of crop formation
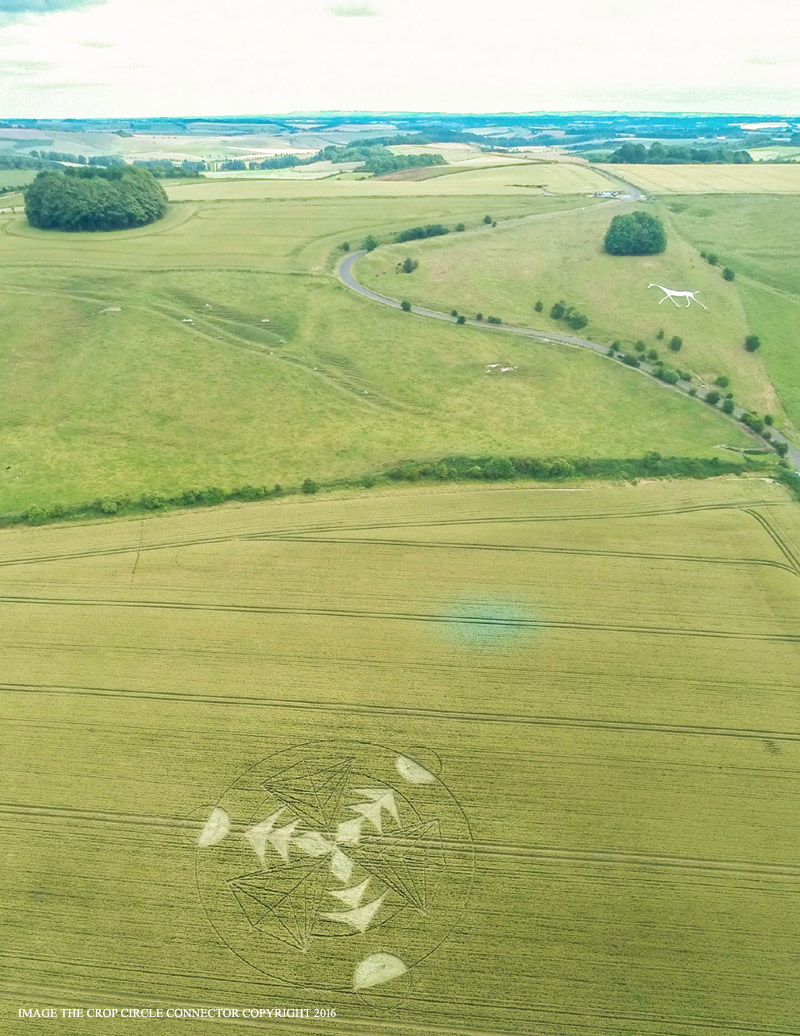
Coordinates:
(341,863)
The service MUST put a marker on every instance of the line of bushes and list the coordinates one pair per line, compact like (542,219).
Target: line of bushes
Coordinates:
(455,468)
(496,468)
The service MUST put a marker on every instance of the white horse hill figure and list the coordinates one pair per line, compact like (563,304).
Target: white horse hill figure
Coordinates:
(672,295)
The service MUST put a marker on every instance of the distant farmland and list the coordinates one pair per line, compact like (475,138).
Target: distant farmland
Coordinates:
(706,179)
(565,718)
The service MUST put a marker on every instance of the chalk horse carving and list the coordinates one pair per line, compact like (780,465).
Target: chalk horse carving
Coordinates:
(672,295)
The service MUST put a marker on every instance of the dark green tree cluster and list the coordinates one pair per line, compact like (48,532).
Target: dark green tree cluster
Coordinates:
(635,233)
(415,233)
(561,311)
(94,198)
(661,154)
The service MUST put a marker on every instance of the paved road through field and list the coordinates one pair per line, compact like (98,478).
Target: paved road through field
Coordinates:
(348,278)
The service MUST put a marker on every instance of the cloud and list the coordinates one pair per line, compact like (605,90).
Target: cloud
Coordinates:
(348,11)
(10,10)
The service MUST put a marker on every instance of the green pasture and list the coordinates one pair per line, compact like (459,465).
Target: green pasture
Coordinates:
(16,177)
(609,799)
(504,272)
(235,357)
(757,237)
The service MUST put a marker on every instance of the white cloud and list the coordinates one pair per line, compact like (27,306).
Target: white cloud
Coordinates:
(247,56)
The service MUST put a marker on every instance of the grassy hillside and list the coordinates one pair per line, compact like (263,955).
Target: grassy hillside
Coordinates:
(228,354)
(506,270)
(595,687)
(757,237)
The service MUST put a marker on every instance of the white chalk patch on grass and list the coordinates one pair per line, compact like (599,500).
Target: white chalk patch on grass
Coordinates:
(376,969)
(383,797)
(351,897)
(413,772)
(371,811)
(217,826)
(258,834)
(341,865)
(111,309)
(280,839)
(349,831)
(359,918)
(313,844)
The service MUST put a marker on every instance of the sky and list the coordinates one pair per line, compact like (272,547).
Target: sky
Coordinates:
(128,58)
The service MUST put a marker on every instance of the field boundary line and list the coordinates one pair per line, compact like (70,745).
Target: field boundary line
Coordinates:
(630,726)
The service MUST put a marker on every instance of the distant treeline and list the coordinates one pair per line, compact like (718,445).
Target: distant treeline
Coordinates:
(94,198)
(162,169)
(375,158)
(675,154)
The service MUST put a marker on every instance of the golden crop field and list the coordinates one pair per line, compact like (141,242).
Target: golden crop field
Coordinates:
(709,179)
(359,754)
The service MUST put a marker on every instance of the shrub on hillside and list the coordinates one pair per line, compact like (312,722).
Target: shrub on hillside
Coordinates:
(751,343)
(635,233)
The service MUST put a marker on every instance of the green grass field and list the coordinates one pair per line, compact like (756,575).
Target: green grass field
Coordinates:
(506,270)
(574,708)
(757,237)
(231,355)
(16,177)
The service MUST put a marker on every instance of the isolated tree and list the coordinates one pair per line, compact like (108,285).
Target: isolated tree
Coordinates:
(728,273)
(539,306)
(370,243)
(712,397)
(675,343)
(409,265)
(639,346)
(751,343)
(558,310)
(635,233)
(460,227)
(487,219)
(728,406)
(479,316)
(405,305)
(461,319)
(712,259)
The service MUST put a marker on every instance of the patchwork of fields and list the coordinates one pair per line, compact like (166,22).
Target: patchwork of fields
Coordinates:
(543,726)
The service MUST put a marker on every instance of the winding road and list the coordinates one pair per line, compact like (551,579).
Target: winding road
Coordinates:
(347,277)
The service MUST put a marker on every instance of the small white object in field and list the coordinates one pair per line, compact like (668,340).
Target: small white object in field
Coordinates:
(377,968)
(216,828)
(187,320)
(111,309)
(413,772)
(264,320)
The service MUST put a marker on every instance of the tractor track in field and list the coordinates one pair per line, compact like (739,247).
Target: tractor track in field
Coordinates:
(398,616)
(300,530)
(563,854)
(569,551)
(402,713)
